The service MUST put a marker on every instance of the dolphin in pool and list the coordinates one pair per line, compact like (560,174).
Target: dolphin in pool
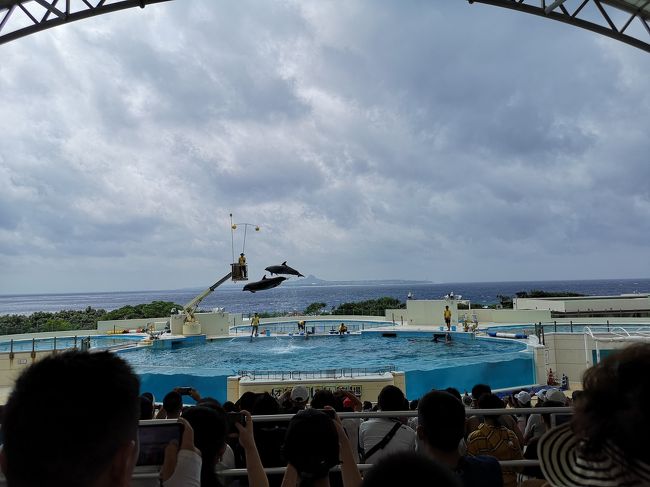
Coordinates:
(264,284)
(283,269)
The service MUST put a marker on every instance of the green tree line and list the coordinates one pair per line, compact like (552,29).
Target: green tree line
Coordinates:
(43,321)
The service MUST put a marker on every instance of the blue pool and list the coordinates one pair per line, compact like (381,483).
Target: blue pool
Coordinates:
(427,365)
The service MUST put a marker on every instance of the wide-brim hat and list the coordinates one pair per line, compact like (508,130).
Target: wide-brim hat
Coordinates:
(564,464)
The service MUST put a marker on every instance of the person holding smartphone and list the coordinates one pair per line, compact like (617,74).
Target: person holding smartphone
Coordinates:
(182,464)
(211,425)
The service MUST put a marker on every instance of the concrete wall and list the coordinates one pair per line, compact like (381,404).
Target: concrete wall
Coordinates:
(212,324)
(565,354)
(574,305)
(607,304)
(109,326)
(365,388)
(10,368)
(429,312)
(535,303)
(507,315)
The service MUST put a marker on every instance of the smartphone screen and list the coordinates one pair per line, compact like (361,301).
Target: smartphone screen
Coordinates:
(154,436)
(234,418)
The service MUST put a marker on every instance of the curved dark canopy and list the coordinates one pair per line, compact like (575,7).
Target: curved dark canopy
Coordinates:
(19,18)
(606,21)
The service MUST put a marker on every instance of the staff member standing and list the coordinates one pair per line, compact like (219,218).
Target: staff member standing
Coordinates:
(447,315)
(255,324)
(242,265)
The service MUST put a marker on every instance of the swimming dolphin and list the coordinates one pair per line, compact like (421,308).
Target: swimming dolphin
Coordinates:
(283,269)
(264,284)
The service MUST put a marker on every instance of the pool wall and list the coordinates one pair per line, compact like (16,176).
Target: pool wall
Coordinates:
(498,375)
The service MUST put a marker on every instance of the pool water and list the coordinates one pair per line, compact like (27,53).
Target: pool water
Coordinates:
(461,364)
(323,352)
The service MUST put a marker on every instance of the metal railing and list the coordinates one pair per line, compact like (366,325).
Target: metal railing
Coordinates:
(240,472)
(540,329)
(321,327)
(315,374)
(61,343)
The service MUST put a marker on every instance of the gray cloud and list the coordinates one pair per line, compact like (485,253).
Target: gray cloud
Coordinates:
(425,140)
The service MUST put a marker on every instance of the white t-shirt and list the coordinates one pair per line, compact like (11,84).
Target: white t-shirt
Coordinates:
(373,431)
(535,427)
(187,472)
(351,427)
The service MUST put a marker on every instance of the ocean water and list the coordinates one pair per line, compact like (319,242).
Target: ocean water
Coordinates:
(295,298)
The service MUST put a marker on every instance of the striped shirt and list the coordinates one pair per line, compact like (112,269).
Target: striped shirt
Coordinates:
(498,442)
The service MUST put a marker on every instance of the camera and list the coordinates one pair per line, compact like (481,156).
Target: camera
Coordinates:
(154,436)
(184,391)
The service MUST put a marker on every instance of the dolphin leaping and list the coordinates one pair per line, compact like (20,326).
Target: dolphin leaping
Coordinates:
(283,269)
(264,284)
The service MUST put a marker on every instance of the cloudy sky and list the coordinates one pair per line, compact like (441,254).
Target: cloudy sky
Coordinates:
(432,140)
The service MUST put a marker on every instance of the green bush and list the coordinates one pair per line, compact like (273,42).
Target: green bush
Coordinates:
(372,307)
(87,319)
(314,308)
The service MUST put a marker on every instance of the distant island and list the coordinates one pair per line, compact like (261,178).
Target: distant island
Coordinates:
(312,280)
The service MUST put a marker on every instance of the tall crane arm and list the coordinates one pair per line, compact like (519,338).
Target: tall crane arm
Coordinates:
(190,307)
